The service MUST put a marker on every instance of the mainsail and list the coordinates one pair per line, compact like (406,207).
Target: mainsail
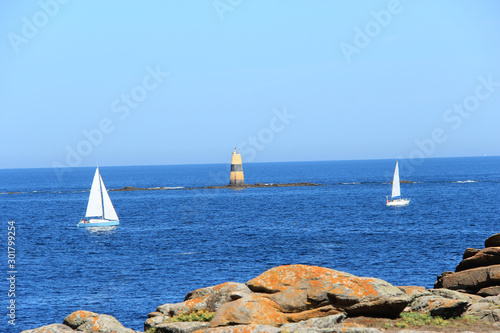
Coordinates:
(396,188)
(99,202)
(94,207)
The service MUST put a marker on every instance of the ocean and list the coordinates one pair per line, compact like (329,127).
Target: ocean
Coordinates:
(170,242)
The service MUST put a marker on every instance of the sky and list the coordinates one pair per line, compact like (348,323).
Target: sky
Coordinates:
(185,82)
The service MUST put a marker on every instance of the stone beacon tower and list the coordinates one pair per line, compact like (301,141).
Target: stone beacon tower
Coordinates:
(236,177)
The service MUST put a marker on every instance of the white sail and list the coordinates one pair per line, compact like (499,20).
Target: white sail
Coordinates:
(109,210)
(94,207)
(396,188)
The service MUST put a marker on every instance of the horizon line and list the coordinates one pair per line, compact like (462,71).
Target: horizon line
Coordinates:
(229,162)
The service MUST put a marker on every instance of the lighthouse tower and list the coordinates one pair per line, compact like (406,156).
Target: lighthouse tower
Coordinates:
(236,177)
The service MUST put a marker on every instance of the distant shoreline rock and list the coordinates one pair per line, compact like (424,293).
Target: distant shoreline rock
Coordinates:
(257,185)
(131,188)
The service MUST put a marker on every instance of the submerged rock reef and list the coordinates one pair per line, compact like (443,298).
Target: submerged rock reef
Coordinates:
(240,186)
(302,298)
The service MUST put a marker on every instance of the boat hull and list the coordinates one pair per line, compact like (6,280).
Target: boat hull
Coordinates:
(97,223)
(398,202)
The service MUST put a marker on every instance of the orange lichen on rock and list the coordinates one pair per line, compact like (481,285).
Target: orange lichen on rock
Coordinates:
(318,286)
(80,317)
(95,325)
(282,277)
(316,280)
(291,294)
(314,313)
(252,309)
(192,303)
(353,286)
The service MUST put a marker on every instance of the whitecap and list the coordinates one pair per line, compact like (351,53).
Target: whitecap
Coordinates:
(186,253)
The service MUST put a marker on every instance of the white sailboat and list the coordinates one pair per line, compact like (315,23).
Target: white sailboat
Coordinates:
(396,198)
(100,210)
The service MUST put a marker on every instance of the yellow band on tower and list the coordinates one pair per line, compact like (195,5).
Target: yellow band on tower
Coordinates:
(236,177)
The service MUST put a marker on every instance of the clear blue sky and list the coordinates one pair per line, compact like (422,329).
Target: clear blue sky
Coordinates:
(172,82)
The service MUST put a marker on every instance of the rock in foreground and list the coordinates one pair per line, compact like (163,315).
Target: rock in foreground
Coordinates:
(86,322)
(479,271)
(286,295)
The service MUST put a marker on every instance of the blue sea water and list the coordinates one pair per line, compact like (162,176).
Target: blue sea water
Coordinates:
(170,242)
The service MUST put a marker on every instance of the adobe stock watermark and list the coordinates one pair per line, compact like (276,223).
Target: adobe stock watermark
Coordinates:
(255,143)
(222,7)
(454,118)
(31,26)
(372,29)
(122,108)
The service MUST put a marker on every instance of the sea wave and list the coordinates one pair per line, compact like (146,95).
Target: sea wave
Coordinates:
(464,181)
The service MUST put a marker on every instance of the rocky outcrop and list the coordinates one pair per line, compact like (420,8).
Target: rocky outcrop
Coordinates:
(441,302)
(259,309)
(471,280)
(478,272)
(487,309)
(86,322)
(210,299)
(469,252)
(53,328)
(486,257)
(287,295)
(492,241)
(311,286)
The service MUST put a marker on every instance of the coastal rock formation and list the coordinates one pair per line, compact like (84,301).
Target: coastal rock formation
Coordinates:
(439,306)
(87,321)
(492,241)
(210,298)
(84,321)
(259,309)
(53,328)
(486,309)
(471,280)
(478,273)
(485,257)
(257,185)
(286,295)
(240,186)
(318,286)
